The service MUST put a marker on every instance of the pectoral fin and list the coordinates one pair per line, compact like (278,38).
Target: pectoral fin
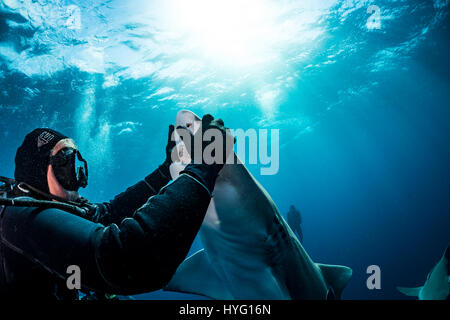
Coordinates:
(196,275)
(336,277)
(412,292)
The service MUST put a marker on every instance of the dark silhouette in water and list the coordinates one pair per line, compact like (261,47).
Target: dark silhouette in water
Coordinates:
(294,219)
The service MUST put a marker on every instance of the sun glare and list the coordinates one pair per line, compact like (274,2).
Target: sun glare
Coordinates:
(232,31)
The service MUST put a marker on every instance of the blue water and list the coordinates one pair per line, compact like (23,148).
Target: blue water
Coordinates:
(361,101)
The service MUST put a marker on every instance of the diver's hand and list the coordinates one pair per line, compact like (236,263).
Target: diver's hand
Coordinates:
(211,144)
(170,145)
(208,148)
(211,130)
(169,148)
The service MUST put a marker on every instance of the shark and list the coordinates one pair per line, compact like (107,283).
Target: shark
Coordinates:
(294,220)
(437,286)
(250,252)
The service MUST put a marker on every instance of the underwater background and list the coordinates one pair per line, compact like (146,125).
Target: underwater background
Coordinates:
(358,89)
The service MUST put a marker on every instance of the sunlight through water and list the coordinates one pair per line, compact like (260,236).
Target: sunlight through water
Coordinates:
(240,33)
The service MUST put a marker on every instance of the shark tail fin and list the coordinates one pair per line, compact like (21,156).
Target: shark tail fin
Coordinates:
(336,277)
(412,292)
(195,275)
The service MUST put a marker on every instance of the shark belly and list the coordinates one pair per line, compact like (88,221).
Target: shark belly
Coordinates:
(251,247)
(242,262)
(234,235)
(249,250)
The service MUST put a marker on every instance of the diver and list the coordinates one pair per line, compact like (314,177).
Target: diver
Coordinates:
(294,218)
(132,244)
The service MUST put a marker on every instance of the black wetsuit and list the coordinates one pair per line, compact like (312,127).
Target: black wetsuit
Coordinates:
(132,244)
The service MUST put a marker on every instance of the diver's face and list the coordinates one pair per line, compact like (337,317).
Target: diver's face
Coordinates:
(54,186)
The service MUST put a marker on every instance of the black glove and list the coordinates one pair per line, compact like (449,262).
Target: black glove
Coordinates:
(164,167)
(206,170)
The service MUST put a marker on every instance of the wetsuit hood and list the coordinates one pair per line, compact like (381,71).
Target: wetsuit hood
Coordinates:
(33,156)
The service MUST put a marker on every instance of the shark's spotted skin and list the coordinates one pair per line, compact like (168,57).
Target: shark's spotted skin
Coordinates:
(249,250)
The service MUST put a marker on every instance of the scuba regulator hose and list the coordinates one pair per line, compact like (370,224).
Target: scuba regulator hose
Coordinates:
(43,204)
(8,185)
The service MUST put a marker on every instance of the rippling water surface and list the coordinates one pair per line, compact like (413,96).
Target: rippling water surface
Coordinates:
(358,89)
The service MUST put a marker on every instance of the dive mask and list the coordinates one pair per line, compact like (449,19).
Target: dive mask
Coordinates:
(70,169)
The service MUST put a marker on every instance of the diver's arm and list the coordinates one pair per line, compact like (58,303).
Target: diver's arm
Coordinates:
(139,255)
(126,203)
(143,252)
